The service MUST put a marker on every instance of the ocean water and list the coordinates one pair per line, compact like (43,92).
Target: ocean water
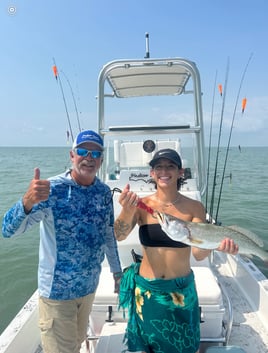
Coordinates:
(244,202)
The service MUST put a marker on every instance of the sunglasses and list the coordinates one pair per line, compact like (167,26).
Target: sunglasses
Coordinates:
(82,152)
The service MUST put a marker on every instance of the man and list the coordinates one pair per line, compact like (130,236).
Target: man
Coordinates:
(76,230)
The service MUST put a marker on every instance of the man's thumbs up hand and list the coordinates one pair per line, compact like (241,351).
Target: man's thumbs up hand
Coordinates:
(36,173)
(38,191)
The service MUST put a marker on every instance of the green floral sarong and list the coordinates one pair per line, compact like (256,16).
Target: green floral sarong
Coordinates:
(164,315)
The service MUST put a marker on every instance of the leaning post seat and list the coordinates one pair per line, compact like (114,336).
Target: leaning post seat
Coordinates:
(210,296)
(129,154)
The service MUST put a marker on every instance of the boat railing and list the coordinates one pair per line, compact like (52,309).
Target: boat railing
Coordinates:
(173,77)
(150,129)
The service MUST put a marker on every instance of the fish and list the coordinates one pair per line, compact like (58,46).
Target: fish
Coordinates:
(210,236)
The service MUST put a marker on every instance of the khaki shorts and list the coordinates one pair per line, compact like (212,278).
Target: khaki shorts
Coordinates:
(63,323)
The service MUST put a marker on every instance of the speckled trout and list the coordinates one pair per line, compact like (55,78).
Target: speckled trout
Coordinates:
(209,236)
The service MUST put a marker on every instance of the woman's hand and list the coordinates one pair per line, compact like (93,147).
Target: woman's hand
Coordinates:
(128,199)
(228,246)
(127,218)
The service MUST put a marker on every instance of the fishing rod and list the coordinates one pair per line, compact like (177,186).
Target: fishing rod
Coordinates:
(75,105)
(231,130)
(57,76)
(219,140)
(210,137)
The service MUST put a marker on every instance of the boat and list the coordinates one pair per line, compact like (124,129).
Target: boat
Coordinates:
(232,291)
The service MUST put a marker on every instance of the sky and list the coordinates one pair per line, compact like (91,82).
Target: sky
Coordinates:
(83,35)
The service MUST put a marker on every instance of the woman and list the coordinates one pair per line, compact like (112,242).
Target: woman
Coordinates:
(160,291)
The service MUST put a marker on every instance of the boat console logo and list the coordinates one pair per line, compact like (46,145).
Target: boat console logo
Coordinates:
(140,177)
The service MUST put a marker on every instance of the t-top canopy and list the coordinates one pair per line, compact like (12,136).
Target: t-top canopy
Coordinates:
(150,79)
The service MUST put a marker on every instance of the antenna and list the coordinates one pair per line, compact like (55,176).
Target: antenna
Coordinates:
(147,55)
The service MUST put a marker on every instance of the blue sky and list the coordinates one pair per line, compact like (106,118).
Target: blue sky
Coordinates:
(84,35)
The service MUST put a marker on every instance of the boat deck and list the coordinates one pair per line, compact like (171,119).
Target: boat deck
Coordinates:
(248,330)
(245,318)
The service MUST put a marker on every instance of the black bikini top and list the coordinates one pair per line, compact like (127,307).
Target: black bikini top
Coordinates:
(152,235)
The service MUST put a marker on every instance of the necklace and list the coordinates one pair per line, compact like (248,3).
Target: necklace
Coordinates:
(166,205)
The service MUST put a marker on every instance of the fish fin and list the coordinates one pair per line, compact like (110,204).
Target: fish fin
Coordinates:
(195,241)
(252,236)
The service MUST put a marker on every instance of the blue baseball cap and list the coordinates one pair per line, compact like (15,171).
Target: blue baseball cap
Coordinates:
(88,136)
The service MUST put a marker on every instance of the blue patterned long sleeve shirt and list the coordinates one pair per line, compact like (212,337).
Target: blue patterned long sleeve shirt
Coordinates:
(76,231)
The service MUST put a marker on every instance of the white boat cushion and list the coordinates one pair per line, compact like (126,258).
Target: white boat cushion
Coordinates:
(208,290)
